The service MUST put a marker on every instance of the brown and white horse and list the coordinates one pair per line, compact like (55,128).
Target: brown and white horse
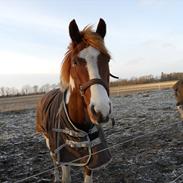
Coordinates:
(84,99)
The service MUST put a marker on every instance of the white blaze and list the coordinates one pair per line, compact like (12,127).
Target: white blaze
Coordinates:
(99,96)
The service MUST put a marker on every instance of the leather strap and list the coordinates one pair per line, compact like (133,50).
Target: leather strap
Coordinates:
(91,82)
(113,76)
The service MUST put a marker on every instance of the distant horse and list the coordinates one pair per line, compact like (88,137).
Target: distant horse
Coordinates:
(70,117)
(178,88)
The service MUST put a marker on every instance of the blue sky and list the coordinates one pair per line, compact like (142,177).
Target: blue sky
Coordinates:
(143,36)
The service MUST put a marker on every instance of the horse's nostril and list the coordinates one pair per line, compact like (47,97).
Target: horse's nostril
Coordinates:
(93,110)
(98,115)
(178,103)
(110,108)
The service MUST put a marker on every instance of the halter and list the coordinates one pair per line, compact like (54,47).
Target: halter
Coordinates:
(83,87)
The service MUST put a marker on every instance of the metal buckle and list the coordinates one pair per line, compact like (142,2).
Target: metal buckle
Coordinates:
(81,90)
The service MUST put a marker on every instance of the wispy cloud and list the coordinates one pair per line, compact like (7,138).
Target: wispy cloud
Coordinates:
(20,63)
(151,2)
(27,17)
(159,44)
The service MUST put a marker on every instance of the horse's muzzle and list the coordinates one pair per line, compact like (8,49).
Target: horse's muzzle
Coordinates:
(98,116)
(180,109)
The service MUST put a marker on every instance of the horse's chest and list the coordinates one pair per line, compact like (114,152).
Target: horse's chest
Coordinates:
(79,148)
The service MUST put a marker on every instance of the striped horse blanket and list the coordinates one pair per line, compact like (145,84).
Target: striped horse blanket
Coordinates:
(71,145)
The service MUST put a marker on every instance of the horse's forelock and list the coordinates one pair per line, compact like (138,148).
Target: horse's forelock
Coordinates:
(93,39)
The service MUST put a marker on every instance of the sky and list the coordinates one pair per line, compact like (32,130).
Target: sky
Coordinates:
(143,36)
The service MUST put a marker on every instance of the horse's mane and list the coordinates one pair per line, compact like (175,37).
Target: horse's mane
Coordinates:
(89,38)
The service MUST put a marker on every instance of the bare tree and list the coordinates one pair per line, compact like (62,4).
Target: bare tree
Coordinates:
(35,89)
(2,91)
(13,91)
(45,88)
(27,89)
(7,91)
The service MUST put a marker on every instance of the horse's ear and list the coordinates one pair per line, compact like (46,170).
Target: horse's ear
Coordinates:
(101,28)
(74,32)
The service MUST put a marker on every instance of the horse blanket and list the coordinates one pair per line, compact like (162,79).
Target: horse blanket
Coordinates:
(71,145)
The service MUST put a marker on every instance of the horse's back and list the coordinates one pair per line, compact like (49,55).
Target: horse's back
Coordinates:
(47,110)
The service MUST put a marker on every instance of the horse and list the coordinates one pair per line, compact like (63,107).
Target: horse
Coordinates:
(178,89)
(70,117)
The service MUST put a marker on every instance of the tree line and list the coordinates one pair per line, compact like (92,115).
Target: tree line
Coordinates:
(30,90)
(149,79)
(26,90)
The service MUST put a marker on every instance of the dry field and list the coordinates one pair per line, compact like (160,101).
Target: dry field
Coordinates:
(18,103)
(118,90)
(29,102)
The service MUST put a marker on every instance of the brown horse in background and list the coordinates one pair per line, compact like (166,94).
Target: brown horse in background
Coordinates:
(178,88)
(70,117)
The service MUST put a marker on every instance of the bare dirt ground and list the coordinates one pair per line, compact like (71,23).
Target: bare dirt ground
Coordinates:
(148,139)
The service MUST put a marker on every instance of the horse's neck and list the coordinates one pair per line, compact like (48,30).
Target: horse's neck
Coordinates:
(77,111)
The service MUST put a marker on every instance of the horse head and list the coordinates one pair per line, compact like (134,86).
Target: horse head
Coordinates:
(85,73)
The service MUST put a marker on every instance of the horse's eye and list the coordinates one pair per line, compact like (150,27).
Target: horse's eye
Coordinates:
(104,58)
(75,62)
(79,61)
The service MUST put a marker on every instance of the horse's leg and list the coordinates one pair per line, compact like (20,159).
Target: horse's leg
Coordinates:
(56,170)
(66,177)
(88,175)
